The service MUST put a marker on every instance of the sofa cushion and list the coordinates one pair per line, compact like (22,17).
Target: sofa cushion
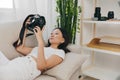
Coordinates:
(74,48)
(8,34)
(64,70)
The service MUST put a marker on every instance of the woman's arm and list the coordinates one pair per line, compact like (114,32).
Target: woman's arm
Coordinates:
(53,61)
(42,63)
(22,48)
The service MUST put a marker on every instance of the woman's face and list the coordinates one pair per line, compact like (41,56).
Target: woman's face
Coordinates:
(56,37)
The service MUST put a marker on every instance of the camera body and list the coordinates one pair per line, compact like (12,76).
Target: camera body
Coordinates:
(36,20)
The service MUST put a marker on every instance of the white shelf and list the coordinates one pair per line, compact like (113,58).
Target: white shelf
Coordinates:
(106,46)
(110,39)
(102,73)
(101,22)
(101,50)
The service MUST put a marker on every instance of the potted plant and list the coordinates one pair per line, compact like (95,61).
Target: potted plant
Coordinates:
(68,17)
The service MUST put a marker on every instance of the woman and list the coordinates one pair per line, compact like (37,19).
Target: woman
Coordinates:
(37,59)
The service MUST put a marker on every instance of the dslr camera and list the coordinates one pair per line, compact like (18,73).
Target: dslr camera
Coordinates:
(36,20)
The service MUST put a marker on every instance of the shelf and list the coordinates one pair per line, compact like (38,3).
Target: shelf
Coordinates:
(101,50)
(110,39)
(103,47)
(102,22)
(102,73)
(107,45)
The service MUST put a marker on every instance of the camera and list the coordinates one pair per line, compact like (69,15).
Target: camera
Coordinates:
(36,20)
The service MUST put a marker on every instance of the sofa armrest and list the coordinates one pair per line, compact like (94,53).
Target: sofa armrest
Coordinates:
(76,75)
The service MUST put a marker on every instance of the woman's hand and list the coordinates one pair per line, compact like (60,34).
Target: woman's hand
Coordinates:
(27,22)
(41,61)
(38,32)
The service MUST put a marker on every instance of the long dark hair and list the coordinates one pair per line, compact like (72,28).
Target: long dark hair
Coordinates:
(63,45)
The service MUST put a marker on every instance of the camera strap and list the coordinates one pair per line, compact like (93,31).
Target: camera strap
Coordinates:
(21,35)
(30,34)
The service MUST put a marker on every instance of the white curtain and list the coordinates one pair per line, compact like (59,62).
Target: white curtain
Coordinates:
(24,7)
(21,8)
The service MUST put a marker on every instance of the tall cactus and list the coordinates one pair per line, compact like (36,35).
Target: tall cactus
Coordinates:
(67,19)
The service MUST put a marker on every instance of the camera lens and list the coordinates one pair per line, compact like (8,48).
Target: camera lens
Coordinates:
(110,15)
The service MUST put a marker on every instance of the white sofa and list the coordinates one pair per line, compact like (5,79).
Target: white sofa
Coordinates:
(69,69)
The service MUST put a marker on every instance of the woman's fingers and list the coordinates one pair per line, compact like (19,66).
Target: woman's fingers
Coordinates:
(36,29)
